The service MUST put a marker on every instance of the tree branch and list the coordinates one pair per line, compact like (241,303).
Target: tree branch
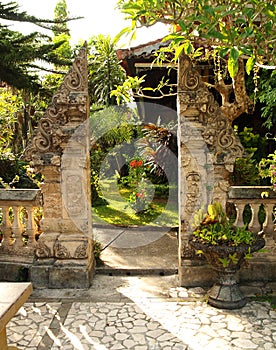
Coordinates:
(242,102)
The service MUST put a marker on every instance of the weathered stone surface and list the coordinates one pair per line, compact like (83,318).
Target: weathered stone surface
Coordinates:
(59,150)
(251,192)
(208,149)
(70,277)
(20,196)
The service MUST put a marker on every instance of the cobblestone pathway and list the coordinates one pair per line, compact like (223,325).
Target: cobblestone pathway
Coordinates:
(142,321)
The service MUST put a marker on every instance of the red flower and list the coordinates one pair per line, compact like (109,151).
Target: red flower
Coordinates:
(136,163)
(133,163)
(138,194)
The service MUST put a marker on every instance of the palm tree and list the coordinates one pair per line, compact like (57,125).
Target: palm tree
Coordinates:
(105,73)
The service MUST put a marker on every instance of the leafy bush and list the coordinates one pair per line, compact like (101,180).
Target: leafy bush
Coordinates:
(246,172)
(267,169)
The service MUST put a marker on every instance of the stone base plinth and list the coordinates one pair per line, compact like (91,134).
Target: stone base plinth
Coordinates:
(192,274)
(45,275)
(14,271)
(259,270)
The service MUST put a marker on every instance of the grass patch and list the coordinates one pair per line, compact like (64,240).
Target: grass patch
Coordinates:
(119,212)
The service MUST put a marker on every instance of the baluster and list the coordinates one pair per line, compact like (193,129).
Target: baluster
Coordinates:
(269,220)
(30,227)
(239,218)
(6,227)
(254,224)
(17,228)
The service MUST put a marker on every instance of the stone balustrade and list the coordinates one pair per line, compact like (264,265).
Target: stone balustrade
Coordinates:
(260,203)
(20,215)
(262,209)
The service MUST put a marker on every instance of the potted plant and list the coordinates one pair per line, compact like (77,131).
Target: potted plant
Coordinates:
(225,248)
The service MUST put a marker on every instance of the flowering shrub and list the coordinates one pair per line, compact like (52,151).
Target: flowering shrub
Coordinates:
(267,169)
(138,201)
(139,198)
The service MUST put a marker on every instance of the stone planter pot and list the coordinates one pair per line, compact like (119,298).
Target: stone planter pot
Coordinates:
(225,293)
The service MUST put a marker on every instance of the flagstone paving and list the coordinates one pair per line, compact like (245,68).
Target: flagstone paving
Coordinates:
(138,316)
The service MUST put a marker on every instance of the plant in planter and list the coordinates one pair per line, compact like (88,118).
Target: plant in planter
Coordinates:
(225,248)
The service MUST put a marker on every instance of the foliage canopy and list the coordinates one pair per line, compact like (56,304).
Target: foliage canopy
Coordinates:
(237,35)
(234,28)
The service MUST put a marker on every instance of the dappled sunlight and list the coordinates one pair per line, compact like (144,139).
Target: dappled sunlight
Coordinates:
(144,296)
(22,311)
(184,318)
(121,325)
(56,341)
(114,216)
(163,212)
(96,345)
(200,325)
(141,314)
(74,340)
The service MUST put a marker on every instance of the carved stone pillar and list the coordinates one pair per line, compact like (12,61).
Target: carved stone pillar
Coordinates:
(59,150)
(208,148)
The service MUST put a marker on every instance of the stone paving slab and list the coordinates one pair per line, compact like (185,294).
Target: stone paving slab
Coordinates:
(142,318)
(143,248)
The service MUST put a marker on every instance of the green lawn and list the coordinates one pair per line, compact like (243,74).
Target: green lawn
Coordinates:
(119,212)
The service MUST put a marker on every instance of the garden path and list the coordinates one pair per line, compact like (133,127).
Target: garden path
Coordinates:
(137,250)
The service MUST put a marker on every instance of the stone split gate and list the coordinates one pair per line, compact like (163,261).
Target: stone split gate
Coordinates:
(59,150)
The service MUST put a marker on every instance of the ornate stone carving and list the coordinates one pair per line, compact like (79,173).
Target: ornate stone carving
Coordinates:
(69,105)
(74,195)
(82,251)
(59,149)
(42,250)
(217,132)
(61,251)
(187,251)
(193,192)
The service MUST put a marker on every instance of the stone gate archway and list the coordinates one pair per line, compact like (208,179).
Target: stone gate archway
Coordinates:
(59,150)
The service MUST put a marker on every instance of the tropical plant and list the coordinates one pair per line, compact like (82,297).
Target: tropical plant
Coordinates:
(157,146)
(9,105)
(140,196)
(52,81)
(267,169)
(97,250)
(110,127)
(266,94)
(214,228)
(246,171)
(105,72)
(61,31)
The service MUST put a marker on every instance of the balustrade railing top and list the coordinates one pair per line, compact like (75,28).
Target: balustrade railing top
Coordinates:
(261,202)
